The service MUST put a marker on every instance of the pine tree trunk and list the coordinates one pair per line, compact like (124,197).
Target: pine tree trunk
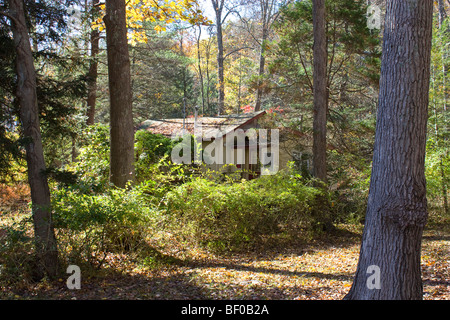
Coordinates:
(121,123)
(93,72)
(320,92)
(397,205)
(46,247)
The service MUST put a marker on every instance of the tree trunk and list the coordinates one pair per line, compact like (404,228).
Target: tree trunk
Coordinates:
(220,70)
(200,73)
(121,123)
(397,205)
(442,12)
(93,72)
(267,17)
(442,17)
(320,91)
(46,247)
(208,81)
(262,62)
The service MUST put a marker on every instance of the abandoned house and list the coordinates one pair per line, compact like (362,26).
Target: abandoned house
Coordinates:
(230,143)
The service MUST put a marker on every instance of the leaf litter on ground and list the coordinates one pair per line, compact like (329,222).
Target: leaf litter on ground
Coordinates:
(320,270)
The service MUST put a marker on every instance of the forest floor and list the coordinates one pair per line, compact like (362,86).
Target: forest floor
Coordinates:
(318,270)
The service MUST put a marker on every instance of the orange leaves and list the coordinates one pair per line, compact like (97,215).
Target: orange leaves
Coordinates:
(14,196)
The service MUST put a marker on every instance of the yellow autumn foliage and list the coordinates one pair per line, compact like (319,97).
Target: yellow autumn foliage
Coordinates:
(164,11)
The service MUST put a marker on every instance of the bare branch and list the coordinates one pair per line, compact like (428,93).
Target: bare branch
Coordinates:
(231,10)
(304,68)
(234,51)
(248,29)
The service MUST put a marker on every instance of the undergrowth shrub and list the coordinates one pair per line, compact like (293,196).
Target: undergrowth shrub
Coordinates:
(437,172)
(89,226)
(349,179)
(13,196)
(92,166)
(92,217)
(150,149)
(17,263)
(238,215)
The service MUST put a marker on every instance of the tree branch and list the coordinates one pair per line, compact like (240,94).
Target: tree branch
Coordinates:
(304,68)
(232,10)
(9,16)
(248,29)
(234,51)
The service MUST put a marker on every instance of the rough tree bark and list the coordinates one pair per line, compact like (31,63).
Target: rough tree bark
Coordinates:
(397,205)
(121,123)
(46,246)
(93,70)
(320,92)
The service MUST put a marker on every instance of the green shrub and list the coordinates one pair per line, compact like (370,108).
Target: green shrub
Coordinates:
(92,217)
(91,225)
(234,215)
(92,165)
(150,149)
(17,262)
(437,172)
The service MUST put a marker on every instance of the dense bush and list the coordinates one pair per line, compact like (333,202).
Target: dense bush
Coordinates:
(89,226)
(150,149)
(93,218)
(17,263)
(437,171)
(92,165)
(233,215)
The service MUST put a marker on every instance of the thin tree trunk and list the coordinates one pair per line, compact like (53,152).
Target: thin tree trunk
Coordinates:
(121,123)
(442,17)
(46,247)
(444,185)
(269,13)
(442,12)
(200,73)
(397,205)
(208,82)
(93,72)
(320,91)
(240,85)
(218,7)
(220,60)
(262,62)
